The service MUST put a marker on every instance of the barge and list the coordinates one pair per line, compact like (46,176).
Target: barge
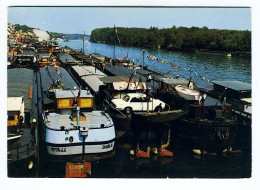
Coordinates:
(22,124)
(72,129)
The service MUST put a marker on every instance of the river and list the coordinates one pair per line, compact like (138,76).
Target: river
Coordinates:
(209,66)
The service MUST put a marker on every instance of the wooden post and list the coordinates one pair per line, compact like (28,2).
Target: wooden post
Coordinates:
(30,92)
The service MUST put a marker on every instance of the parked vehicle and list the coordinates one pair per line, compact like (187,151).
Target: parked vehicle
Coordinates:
(138,102)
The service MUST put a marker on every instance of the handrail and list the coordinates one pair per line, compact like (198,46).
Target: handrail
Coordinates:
(114,108)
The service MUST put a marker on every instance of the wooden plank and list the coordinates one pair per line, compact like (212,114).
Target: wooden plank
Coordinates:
(30,92)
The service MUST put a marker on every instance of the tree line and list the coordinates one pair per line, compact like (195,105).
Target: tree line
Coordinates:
(176,38)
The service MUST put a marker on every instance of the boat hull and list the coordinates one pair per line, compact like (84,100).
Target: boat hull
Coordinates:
(208,135)
(98,141)
(159,117)
(19,168)
(187,94)
(77,148)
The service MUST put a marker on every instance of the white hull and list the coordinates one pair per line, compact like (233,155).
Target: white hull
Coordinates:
(188,94)
(97,141)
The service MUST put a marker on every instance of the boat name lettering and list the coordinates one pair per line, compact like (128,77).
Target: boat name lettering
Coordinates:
(222,128)
(57,149)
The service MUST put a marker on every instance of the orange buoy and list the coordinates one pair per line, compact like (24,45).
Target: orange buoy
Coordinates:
(164,153)
(142,154)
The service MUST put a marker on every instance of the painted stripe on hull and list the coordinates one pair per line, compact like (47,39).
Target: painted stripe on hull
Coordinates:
(73,150)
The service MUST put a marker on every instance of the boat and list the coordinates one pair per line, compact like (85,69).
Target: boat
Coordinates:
(26,59)
(22,130)
(72,129)
(188,93)
(44,59)
(208,127)
(71,132)
(159,117)
(239,95)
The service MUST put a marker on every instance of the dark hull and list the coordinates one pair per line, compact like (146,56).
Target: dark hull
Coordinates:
(209,135)
(19,168)
(159,117)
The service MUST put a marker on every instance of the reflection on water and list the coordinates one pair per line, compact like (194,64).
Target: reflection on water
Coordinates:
(184,164)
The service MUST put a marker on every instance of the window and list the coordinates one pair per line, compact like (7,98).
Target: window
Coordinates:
(126,98)
(11,115)
(136,99)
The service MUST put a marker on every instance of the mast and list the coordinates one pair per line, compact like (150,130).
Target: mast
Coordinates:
(114,44)
(143,58)
(83,47)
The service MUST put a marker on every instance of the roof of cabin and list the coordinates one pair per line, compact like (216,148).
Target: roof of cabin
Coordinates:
(72,94)
(14,103)
(93,82)
(111,79)
(88,70)
(18,83)
(234,85)
(66,58)
(49,75)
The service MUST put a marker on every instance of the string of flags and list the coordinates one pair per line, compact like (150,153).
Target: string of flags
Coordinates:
(51,54)
(152,58)
(120,43)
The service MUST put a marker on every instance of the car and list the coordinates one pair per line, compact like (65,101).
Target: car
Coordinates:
(138,102)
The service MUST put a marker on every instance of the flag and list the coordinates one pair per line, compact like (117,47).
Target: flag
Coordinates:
(51,54)
(91,61)
(172,65)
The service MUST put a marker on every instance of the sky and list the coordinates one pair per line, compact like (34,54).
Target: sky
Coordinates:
(79,19)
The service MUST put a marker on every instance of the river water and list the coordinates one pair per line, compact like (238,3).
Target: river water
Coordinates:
(183,164)
(212,67)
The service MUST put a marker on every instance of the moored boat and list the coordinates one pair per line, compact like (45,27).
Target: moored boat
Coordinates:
(73,129)
(188,93)
(208,127)
(22,143)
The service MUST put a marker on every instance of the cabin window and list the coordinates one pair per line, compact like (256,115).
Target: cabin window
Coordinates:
(11,115)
